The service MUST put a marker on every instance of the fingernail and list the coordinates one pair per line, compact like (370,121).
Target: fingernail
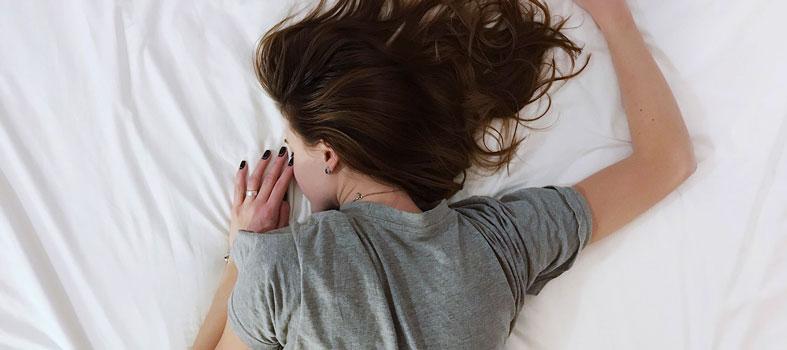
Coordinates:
(266,154)
(242,164)
(291,158)
(282,150)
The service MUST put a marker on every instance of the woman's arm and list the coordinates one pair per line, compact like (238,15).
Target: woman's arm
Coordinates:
(213,326)
(262,212)
(662,155)
(654,119)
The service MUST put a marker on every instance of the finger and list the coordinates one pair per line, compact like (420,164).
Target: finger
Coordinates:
(240,184)
(256,177)
(284,214)
(272,175)
(282,184)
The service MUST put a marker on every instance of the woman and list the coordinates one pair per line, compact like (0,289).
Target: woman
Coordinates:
(382,101)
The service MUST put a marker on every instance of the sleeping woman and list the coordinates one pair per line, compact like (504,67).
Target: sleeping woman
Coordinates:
(384,102)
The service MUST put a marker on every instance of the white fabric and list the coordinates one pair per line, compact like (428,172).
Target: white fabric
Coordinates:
(122,125)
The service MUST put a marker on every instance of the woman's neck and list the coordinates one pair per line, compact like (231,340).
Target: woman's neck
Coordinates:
(393,197)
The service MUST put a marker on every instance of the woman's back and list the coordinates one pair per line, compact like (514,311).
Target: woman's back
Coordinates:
(371,276)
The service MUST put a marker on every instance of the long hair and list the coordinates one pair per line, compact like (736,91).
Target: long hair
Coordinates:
(400,89)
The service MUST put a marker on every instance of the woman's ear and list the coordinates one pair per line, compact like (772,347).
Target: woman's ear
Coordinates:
(330,156)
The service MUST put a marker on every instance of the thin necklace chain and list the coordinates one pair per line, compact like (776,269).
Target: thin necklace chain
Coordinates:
(358,195)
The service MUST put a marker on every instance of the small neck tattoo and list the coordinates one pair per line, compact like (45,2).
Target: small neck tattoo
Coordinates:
(358,195)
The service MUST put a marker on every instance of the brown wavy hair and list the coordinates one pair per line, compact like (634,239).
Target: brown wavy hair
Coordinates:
(400,89)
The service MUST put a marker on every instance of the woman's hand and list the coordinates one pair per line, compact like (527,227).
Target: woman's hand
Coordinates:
(267,210)
(604,11)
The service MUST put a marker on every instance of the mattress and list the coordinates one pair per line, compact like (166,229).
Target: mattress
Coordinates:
(122,125)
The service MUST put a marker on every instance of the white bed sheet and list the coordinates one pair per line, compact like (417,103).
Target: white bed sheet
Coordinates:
(122,124)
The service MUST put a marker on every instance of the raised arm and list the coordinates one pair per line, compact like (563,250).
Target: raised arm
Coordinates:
(663,156)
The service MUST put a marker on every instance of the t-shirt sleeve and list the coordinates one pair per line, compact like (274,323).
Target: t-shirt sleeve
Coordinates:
(266,290)
(536,232)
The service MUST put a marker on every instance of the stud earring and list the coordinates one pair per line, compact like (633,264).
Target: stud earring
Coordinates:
(327,171)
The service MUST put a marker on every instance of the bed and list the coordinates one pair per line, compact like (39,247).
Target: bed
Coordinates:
(122,124)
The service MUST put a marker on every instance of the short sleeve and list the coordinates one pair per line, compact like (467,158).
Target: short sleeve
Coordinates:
(266,290)
(536,232)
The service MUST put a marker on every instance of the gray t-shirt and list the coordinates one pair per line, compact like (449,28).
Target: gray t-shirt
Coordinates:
(369,276)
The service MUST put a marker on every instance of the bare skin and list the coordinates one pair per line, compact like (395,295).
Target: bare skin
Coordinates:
(662,156)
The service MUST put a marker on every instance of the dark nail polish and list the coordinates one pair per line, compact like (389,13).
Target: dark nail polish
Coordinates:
(242,164)
(282,150)
(291,158)
(266,154)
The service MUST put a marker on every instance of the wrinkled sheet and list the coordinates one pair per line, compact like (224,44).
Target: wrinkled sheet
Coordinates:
(122,125)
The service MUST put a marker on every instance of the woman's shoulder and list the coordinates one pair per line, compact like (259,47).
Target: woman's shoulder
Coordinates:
(268,250)
(281,245)
(268,271)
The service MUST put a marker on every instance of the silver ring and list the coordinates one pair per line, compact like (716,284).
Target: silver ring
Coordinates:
(251,193)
